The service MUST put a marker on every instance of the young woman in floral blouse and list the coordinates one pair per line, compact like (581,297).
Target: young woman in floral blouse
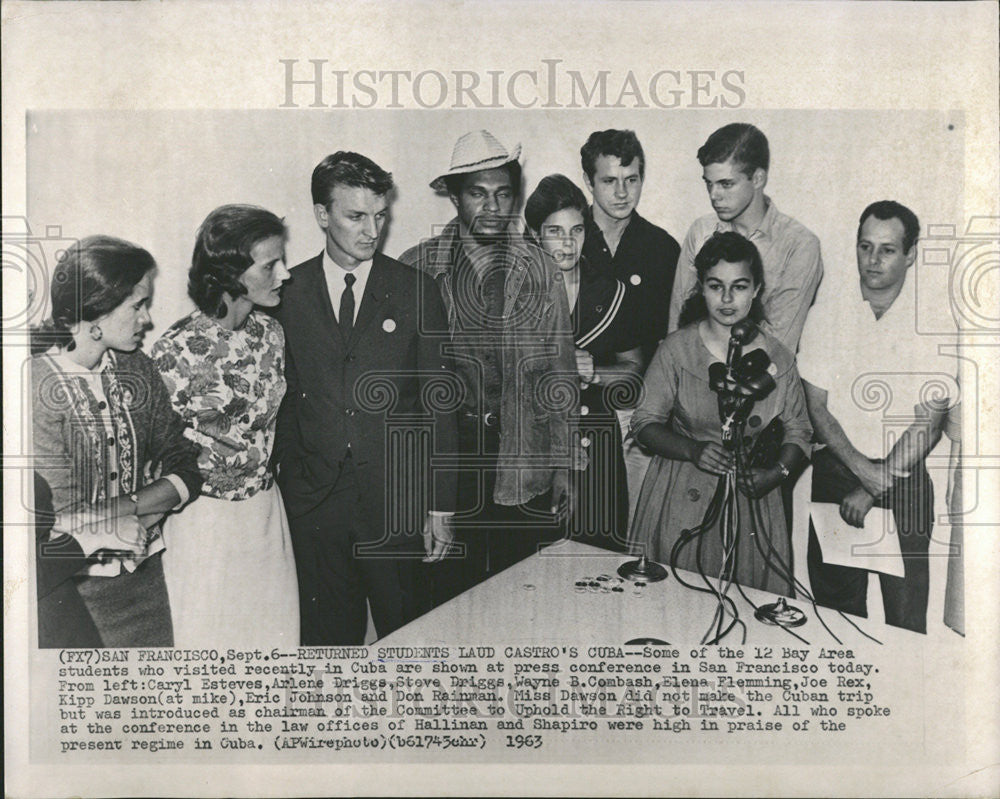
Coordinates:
(229,564)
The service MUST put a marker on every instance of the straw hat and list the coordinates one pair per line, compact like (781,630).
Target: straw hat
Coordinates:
(475,151)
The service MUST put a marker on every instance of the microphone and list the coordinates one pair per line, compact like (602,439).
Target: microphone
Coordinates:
(717,377)
(752,378)
(743,332)
(752,364)
(734,353)
(757,386)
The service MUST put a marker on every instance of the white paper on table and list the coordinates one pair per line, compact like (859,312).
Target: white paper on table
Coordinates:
(875,547)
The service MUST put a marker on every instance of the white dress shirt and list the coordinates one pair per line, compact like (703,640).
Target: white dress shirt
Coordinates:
(335,284)
(875,370)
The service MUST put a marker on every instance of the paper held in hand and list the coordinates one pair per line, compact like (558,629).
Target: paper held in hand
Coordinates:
(875,547)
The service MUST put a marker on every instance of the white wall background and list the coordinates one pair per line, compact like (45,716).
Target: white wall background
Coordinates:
(152,176)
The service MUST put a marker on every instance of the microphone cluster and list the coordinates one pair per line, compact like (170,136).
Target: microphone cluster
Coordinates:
(740,381)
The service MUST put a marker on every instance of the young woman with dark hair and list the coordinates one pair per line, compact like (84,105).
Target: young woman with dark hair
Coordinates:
(229,563)
(678,421)
(110,454)
(607,357)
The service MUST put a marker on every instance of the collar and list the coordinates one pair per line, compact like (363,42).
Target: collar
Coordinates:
(588,221)
(360,272)
(203,322)
(442,250)
(71,367)
(763,229)
(450,245)
(903,306)
(697,365)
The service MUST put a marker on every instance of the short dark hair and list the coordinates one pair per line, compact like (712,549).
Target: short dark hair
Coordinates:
(890,209)
(740,141)
(222,253)
(733,248)
(454,184)
(622,144)
(348,169)
(554,193)
(92,277)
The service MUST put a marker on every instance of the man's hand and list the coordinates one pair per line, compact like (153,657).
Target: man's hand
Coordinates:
(585,366)
(855,506)
(438,537)
(874,477)
(562,494)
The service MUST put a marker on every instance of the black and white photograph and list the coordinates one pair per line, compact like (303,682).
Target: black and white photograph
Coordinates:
(552,398)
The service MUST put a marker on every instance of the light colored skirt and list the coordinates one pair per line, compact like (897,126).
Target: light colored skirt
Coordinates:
(230,574)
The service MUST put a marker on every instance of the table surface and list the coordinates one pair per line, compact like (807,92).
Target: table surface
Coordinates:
(536,602)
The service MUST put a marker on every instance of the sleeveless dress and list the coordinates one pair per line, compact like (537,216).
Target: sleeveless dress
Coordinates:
(228,563)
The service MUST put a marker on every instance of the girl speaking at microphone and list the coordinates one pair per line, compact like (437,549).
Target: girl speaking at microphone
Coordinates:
(678,421)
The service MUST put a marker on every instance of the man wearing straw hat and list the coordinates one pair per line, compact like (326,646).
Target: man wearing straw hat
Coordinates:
(512,344)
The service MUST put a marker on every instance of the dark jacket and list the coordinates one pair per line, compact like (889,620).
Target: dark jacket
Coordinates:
(645,261)
(387,391)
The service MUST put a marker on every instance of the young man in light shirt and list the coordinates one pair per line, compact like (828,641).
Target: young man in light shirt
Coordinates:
(735,161)
(859,467)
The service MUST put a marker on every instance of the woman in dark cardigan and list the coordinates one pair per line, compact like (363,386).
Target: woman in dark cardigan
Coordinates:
(110,450)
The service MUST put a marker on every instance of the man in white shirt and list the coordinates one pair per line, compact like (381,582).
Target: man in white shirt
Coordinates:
(877,393)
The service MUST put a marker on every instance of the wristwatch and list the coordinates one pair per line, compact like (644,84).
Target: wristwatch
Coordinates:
(135,501)
(783,469)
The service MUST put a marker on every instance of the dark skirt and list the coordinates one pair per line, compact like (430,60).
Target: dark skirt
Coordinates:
(131,609)
(600,516)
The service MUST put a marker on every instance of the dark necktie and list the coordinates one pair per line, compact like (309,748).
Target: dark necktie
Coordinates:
(346,315)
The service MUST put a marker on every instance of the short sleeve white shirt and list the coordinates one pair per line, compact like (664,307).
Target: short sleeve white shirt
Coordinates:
(875,371)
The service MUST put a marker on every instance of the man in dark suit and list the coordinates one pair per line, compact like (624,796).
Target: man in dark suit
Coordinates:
(365,409)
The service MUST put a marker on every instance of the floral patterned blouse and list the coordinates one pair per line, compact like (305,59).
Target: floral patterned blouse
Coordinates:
(227,386)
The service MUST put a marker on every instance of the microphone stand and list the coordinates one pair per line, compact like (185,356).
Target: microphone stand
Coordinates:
(738,383)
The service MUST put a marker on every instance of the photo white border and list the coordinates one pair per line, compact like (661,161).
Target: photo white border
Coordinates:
(795,55)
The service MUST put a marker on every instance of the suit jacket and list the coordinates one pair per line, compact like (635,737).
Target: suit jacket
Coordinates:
(387,391)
